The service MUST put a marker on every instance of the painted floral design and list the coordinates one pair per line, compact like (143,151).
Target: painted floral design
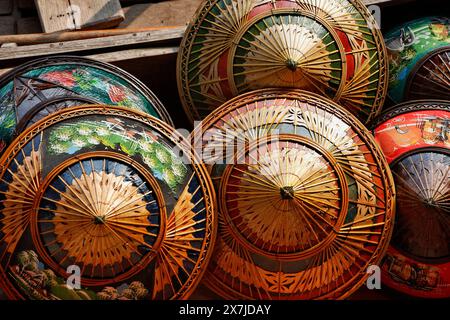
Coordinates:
(64,78)
(116,94)
(70,138)
(410,43)
(133,291)
(39,283)
(94,83)
(7,116)
(440,31)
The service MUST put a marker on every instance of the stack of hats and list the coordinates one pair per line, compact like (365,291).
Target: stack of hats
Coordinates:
(415,138)
(285,190)
(91,185)
(307,204)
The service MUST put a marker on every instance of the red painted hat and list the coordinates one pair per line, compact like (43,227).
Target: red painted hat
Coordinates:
(415,137)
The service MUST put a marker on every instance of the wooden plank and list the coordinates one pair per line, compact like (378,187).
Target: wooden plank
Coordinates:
(165,13)
(25,37)
(124,55)
(99,13)
(57,15)
(131,54)
(143,38)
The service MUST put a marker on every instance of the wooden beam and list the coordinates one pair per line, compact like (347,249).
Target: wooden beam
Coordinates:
(142,38)
(27,38)
(130,54)
(164,13)
(124,55)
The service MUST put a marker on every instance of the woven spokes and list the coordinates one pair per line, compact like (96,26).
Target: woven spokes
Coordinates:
(99,214)
(286,203)
(423,205)
(305,205)
(287,51)
(96,195)
(432,78)
(328,47)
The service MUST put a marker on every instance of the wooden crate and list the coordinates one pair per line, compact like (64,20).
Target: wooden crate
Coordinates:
(57,15)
